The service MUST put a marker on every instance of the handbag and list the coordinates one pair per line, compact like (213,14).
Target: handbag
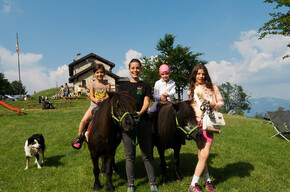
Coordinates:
(211,120)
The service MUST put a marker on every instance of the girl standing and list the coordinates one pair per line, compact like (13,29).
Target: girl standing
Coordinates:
(141,92)
(98,93)
(200,83)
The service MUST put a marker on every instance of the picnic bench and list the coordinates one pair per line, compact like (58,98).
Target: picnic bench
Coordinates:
(57,104)
(66,98)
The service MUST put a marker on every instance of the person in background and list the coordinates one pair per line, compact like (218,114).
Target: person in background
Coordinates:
(79,90)
(61,91)
(200,83)
(66,90)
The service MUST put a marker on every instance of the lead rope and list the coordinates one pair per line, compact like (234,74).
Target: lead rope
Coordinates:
(136,130)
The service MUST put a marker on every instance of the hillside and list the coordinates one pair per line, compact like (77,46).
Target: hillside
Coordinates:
(243,157)
(264,104)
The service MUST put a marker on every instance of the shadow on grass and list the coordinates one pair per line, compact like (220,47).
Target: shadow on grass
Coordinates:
(54,161)
(238,169)
(187,166)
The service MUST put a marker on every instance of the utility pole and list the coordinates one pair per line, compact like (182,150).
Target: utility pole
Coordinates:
(17,50)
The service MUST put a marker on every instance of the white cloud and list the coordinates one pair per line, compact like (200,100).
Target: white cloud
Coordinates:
(131,54)
(6,7)
(33,76)
(261,71)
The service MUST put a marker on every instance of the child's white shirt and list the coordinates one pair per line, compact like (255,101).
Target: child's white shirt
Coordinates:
(161,87)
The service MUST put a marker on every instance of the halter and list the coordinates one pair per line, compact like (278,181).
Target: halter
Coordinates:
(123,116)
(183,130)
(120,122)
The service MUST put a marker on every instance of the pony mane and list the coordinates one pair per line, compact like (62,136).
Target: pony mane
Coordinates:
(167,115)
(123,101)
(185,111)
(102,122)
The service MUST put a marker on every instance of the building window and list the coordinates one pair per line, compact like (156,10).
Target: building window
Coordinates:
(84,83)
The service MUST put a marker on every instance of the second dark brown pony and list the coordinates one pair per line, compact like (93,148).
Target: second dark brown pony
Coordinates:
(174,124)
(114,116)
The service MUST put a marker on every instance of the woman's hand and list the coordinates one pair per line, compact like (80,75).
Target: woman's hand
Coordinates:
(139,115)
(212,104)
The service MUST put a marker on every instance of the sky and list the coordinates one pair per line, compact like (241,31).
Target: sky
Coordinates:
(52,33)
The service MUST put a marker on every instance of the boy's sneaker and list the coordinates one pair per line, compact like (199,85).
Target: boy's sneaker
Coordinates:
(209,186)
(153,187)
(131,188)
(194,188)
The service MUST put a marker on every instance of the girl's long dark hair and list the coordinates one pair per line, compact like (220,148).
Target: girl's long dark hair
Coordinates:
(192,78)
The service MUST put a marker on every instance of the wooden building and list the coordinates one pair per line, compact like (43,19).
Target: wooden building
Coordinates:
(81,72)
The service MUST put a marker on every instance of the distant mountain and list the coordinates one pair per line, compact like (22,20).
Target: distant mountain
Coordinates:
(264,104)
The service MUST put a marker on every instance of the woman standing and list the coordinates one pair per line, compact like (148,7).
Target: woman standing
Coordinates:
(200,83)
(141,92)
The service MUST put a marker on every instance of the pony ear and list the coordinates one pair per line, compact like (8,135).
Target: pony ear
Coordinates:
(111,94)
(189,101)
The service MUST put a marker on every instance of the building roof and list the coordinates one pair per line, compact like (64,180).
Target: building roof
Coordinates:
(91,55)
(109,73)
(90,67)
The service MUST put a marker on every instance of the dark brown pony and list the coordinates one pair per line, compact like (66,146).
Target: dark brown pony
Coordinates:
(114,115)
(174,123)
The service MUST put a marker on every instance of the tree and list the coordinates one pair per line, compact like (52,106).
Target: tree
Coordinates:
(5,87)
(18,88)
(180,60)
(235,99)
(280,22)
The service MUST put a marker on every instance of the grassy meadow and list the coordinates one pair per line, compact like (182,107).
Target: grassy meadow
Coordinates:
(243,158)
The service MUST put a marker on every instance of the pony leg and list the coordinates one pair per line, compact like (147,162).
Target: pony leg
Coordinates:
(103,167)
(95,158)
(162,164)
(114,166)
(176,163)
(109,185)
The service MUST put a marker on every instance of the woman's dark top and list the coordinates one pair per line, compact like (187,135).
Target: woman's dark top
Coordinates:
(138,91)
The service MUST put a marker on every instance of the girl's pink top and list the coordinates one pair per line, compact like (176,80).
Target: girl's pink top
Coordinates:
(205,93)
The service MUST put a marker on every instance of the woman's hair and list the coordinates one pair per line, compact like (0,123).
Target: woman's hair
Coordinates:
(192,78)
(135,60)
(99,66)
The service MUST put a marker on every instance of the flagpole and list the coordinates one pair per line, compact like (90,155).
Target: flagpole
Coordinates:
(17,49)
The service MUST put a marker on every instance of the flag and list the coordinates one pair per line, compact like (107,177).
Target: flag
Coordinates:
(17,48)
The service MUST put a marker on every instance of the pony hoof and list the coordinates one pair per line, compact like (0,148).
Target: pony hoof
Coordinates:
(97,187)
(110,189)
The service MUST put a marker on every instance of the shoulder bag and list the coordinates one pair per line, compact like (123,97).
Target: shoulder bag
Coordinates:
(211,120)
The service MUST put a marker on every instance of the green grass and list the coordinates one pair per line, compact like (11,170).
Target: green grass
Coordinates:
(243,158)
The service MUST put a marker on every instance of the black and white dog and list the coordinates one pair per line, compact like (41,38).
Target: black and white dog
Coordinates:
(33,146)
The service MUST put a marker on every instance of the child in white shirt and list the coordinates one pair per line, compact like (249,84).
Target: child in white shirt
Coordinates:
(164,88)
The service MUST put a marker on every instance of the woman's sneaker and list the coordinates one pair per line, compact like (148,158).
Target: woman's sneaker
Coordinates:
(194,188)
(209,186)
(153,187)
(131,188)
